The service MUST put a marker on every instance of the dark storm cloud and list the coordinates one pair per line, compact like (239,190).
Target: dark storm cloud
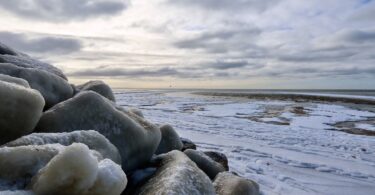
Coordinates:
(43,44)
(62,10)
(357,36)
(226,5)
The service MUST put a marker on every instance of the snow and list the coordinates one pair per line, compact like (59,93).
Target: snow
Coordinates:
(308,156)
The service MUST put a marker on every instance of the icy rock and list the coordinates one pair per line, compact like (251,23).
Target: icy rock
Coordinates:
(137,112)
(227,183)
(8,55)
(209,166)
(76,171)
(14,80)
(218,157)
(93,139)
(53,88)
(187,144)
(20,110)
(99,87)
(17,192)
(169,140)
(135,138)
(177,175)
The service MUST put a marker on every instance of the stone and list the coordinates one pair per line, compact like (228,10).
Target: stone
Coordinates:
(218,157)
(209,166)
(135,138)
(227,183)
(99,87)
(169,140)
(177,175)
(20,110)
(93,139)
(14,80)
(53,88)
(188,144)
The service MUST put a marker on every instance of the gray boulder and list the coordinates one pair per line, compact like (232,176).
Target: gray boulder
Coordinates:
(177,175)
(209,166)
(169,140)
(8,55)
(227,183)
(93,139)
(99,87)
(20,110)
(218,157)
(187,144)
(53,88)
(135,138)
(137,112)
(15,80)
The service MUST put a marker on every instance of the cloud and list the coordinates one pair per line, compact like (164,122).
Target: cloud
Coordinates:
(356,36)
(224,65)
(121,72)
(40,44)
(62,10)
(225,5)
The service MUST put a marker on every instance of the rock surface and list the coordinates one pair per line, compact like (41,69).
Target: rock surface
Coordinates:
(188,144)
(75,171)
(20,110)
(8,55)
(209,166)
(53,88)
(227,183)
(177,175)
(169,140)
(93,139)
(218,157)
(99,87)
(135,138)
(15,80)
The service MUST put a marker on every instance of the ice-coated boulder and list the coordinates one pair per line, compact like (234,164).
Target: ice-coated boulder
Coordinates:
(53,88)
(93,139)
(99,87)
(209,166)
(75,171)
(227,183)
(187,144)
(17,192)
(177,175)
(8,55)
(137,112)
(135,138)
(14,80)
(20,110)
(169,140)
(218,157)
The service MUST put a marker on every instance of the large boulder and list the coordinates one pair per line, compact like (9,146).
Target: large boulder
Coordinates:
(93,139)
(14,80)
(169,140)
(177,175)
(99,87)
(20,110)
(209,166)
(75,171)
(227,183)
(218,157)
(135,138)
(8,55)
(53,88)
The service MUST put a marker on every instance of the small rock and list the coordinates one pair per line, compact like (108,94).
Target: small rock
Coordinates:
(227,183)
(14,80)
(187,144)
(99,87)
(205,163)
(218,157)
(169,140)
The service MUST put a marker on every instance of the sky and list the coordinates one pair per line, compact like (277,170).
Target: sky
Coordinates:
(239,44)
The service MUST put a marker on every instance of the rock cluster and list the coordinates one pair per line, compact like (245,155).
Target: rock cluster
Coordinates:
(58,138)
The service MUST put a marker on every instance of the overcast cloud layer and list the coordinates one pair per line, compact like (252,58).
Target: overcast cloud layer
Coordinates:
(200,43)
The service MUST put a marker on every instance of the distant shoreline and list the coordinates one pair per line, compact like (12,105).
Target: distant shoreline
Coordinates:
(353,99)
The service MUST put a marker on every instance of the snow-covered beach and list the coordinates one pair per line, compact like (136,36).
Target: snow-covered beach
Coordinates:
(288,147)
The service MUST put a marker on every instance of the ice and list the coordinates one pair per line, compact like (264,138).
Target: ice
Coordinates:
(307,156)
